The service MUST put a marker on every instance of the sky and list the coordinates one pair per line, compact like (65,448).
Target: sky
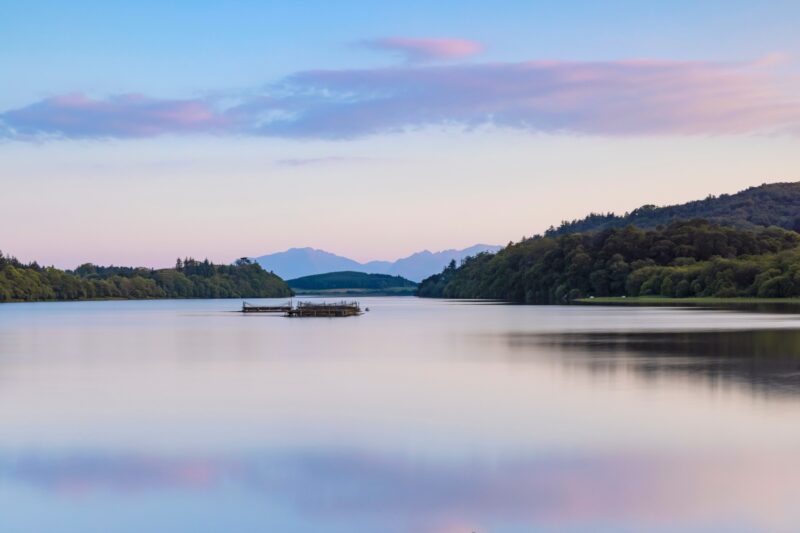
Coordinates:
(137,132)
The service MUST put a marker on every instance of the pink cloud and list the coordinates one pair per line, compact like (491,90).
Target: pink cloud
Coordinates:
(630,97)
(418,50)
(129,115)
(639,97)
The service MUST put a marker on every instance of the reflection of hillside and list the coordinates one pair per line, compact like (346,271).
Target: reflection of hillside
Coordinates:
(767,360)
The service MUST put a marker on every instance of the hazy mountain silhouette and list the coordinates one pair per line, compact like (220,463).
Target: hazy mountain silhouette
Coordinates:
(299,262)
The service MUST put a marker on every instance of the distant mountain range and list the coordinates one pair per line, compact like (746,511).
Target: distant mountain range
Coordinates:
(299,262)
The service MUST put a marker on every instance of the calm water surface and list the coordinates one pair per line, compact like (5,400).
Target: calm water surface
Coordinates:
(420,416)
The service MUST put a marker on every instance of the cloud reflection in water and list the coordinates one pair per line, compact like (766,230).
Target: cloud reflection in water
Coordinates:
(404,493)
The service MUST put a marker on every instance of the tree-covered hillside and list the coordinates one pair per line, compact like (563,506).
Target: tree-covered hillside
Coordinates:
(687,258)
(189,279)
(775,204)
(350,280)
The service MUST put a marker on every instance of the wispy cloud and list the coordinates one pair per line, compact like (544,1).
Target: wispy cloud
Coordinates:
(419,50)
(633,97)
(306,161)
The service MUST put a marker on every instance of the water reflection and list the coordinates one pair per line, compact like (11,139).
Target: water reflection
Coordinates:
(403,493)
(771,307)
(121,417)
(766,360)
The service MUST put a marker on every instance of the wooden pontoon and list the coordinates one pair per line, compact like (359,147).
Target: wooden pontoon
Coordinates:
(310,309)
(307,309)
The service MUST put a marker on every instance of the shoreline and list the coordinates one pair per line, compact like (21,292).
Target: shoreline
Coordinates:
(643,300)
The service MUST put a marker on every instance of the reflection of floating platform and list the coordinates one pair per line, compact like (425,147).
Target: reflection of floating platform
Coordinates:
(307,309)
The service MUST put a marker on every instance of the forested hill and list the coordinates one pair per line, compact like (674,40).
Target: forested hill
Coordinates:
(775,204)
(355,282)
(189,279)
(687,258)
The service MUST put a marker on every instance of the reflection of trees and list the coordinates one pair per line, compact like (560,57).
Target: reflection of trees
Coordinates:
(768,360)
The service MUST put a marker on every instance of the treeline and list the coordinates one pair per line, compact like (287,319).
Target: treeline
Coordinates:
(189,279)
(767,276)
(685,258)
(775,204)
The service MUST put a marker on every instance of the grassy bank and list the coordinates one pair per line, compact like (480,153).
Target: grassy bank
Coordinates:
(657,300)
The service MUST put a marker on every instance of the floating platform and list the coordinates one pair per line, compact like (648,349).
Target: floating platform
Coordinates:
(309,309)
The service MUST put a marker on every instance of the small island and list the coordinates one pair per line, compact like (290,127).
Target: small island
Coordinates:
(349,283)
